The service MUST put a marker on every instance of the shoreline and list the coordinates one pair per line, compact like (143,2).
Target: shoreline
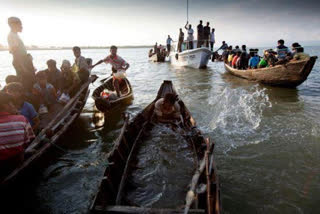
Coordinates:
(82,47)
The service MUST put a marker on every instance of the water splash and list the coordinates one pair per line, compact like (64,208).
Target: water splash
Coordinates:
(237,113)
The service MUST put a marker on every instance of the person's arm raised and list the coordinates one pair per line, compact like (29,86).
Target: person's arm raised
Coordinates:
(98,63)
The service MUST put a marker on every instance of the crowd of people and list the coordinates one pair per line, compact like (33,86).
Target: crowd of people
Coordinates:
(205,36)
(31,94)
(241,59)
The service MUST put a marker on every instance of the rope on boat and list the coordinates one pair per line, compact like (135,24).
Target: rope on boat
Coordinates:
(46,140)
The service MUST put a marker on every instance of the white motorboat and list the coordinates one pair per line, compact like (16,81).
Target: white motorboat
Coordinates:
(194,58)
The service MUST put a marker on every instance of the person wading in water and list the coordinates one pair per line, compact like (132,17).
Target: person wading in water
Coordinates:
(119,67)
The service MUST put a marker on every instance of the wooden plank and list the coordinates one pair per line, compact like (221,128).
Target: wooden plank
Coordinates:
(194,182)
(131,209)
(55,120)
(124,175)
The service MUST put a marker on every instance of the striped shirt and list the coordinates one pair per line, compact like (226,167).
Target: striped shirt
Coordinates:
(15,134)
(117,62)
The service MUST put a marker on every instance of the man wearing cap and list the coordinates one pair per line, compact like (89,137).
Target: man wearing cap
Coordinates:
(15,134)
(21,61)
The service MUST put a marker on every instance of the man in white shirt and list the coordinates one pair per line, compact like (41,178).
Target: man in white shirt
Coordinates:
(21,61)
(190,36)
(212,39)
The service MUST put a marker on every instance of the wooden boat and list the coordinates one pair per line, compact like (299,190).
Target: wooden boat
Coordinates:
(105,105)
(110,197)
(60,121)
(157,58)
(290,75)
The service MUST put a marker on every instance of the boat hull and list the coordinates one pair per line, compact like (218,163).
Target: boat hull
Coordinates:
(104,105)
(52,132)
(195,58)
(289,75)
(110,196)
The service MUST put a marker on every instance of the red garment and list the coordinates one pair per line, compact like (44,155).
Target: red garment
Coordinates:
(234,61)
(15,134)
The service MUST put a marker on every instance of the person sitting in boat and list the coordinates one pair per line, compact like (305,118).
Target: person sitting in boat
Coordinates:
(224,46)
(300,55)
(15,134)
(25,108)
(80,65)
(9,79)
(242,62)
(119,67)
(268,59)
(190,36)
(230,55)
(54,74)
(44,91)
(235,58)
(70,80)
(253,61)
(281,50)
(181,39)
(167,109)
(237,49)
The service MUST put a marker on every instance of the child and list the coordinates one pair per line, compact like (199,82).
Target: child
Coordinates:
(26,109)
(45,91)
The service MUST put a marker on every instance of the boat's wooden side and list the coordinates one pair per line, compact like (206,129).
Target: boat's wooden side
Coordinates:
(110,195)
(107,105)
(49,135)
(291,74)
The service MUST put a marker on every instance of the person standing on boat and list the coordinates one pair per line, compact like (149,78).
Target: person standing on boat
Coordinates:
(206,34)
(119,67)
(169,40)
(212,39)
(180,41)
(21,61)
(200,34)
(190,36)
(80,65)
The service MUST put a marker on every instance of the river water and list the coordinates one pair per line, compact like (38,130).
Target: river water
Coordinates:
(267,139)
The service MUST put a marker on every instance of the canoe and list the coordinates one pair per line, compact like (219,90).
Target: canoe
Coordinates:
(60,120)
(157,58)
(110,196)
(105,105)
(289,75)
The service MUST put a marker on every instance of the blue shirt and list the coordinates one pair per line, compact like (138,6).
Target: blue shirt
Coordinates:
(28,112)
(254,61)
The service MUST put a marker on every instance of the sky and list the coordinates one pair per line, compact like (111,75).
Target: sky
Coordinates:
(144,22)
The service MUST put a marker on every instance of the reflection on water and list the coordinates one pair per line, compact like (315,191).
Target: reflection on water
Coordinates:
(164,168)
(267,141)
